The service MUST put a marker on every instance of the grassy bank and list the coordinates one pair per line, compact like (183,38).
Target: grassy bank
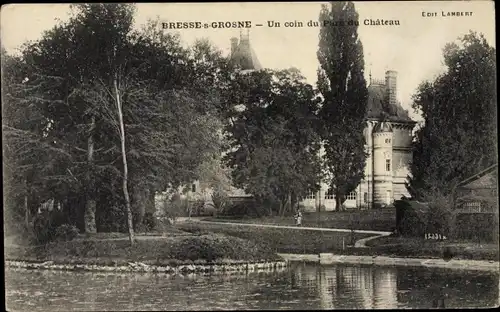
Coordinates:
(314,242)
(174,247)
(281,240)
(421,248)
(376,220)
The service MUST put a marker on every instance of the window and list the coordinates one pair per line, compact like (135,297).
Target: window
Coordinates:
(365,197)
(329,194)
(193,188)
(473,206)
(387,140)
(310,195)
(351,196)
(387,165)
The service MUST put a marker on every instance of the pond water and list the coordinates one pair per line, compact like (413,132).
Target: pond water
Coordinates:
(301,286)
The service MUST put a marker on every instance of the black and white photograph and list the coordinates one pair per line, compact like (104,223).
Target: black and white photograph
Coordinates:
(250,156)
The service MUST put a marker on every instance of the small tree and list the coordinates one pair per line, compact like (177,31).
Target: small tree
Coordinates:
(175,207)
(220,200)
(440,216)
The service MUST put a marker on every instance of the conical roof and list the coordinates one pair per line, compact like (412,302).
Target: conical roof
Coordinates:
(378,106)
(244,56)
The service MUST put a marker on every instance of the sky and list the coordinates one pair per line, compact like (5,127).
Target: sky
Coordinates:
(413,48)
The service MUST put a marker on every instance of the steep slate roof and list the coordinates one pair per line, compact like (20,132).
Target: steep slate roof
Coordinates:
(378,106)
(245,56)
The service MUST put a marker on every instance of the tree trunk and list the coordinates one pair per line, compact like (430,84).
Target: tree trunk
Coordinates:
(26,207)
(293,202)
(338,201)
(151,204)
(90,203)
(288,203)
(138,203)
(125,168)
(283,204)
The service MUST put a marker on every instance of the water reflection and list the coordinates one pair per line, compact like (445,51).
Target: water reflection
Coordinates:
(302,286)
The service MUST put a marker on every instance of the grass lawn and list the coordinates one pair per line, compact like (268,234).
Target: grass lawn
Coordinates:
(314,242)
(281,240)
(114,248)
(376,220)
(419,247)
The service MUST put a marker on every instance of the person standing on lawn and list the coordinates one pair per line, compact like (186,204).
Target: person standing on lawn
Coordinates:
(298,218)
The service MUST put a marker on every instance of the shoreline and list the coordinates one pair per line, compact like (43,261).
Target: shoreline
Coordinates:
(228,267)
(243,267)
(329,258)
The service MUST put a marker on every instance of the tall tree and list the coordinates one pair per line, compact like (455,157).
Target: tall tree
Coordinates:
(111,24)
(459,136)
(343,87)
(273,139)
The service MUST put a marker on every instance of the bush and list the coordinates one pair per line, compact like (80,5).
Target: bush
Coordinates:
(175,207)
(216,246)
(42,228)
(197,207)
(66,232)
(220,200)
(409,221)
(149,221)
(240,209)
(112,218)
(45,225)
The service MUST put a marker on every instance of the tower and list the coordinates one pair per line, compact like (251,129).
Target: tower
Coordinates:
(391,86)
(242,53)
(234,45)
(382,163)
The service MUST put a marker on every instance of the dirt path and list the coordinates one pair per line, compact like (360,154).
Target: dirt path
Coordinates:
(378,233)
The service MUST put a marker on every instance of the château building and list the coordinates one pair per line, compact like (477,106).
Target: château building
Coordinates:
(388,137)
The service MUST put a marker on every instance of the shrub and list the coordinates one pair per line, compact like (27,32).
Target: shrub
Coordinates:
(409,221)
(66,232)
(216,246)
(175,207)
(240,209)
(111,218)
(149,221)
(220,200)
(42,228)
(440,217)
(46,223)
(197,207)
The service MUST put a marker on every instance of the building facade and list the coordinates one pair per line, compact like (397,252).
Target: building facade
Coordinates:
(388,137)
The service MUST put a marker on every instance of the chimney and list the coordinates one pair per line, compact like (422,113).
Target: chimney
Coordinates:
(391,86)
(234,44)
